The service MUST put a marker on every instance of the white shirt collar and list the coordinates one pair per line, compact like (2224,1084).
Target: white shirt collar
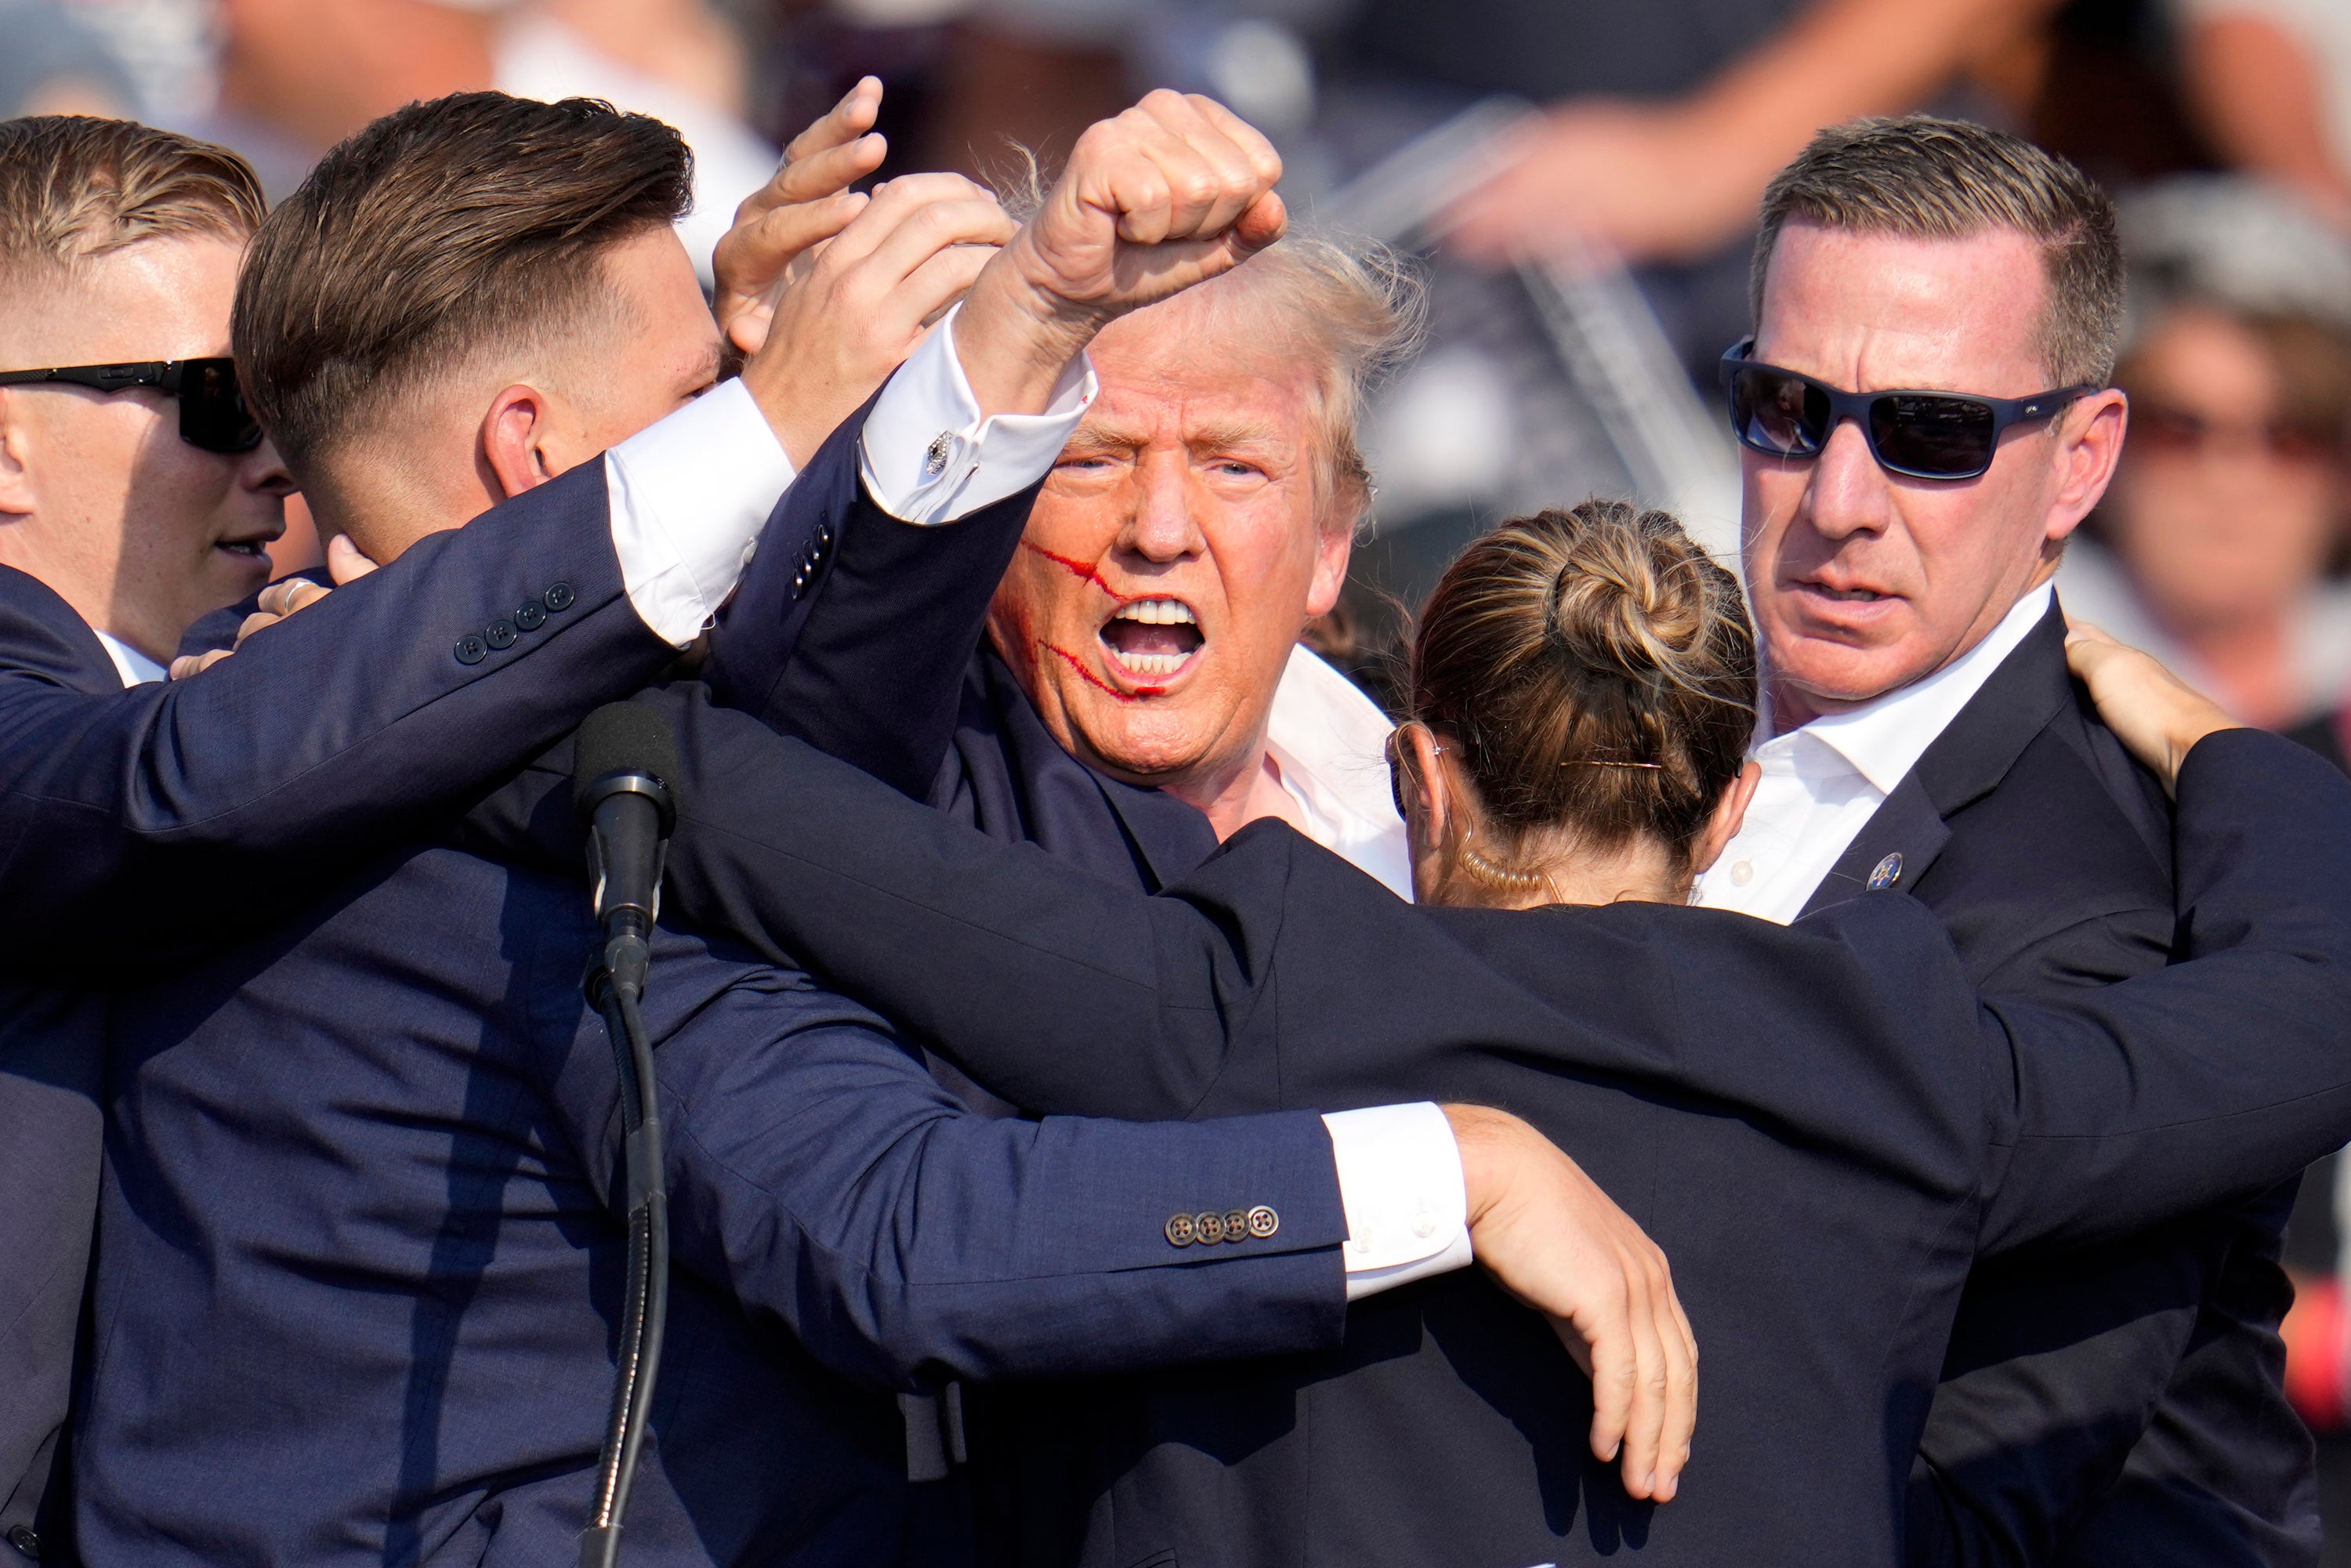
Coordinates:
(1883,739)
(1329,741)
(135,668)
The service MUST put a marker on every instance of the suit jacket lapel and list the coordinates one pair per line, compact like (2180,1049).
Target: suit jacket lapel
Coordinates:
(1965,763)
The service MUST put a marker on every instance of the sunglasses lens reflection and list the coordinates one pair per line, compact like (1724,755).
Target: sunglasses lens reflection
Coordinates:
(1778,414)
(212,414)
(1935,437)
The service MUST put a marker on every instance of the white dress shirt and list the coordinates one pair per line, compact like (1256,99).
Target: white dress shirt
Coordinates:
(1824,780)
(135,668)
(1329,745)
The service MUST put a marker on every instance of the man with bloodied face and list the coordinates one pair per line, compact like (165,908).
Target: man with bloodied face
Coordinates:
(1138,691)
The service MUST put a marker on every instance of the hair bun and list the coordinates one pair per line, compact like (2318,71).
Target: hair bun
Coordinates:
(1632,594)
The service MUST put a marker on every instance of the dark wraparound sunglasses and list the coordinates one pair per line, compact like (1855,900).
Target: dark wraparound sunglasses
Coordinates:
(212,414)
(1921,435)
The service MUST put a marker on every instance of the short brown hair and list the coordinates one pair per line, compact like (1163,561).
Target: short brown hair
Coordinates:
(439,229)
(73,186)
(1924,178)
(1596,672)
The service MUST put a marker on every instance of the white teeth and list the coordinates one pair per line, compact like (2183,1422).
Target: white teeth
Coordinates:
(1151,663)
(1157,612)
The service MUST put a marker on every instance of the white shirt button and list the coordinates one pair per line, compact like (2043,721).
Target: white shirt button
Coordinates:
(1744,872)
(1423,1228)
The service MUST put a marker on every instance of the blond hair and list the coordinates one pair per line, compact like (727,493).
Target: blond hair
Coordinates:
(73,186)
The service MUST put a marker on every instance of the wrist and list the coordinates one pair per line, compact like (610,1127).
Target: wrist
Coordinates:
(1482,1136)
(1016,341)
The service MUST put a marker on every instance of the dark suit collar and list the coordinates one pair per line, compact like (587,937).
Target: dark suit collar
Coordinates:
(52,639)
(1963,764)
(1977,749)
(1064,798)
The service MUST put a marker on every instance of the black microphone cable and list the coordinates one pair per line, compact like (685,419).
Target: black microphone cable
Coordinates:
(622,776)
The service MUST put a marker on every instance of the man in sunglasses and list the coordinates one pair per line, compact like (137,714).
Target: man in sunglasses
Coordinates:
(1925,418)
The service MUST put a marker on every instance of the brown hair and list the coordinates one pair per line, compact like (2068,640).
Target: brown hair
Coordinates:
(1594,670)
(442,228)
(1923,178)
(73,186)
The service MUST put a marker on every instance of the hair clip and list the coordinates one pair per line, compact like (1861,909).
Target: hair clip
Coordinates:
(1596,762)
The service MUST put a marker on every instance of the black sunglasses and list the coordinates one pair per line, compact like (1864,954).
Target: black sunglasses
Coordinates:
(212,414)
(1922,435)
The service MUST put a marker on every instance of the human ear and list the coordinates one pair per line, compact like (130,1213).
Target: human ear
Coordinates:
(16,473)
(517,434)
(2089,444)
(1333,547)
(1729,812)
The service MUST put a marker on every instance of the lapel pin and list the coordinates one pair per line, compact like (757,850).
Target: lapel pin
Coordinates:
(1886,872)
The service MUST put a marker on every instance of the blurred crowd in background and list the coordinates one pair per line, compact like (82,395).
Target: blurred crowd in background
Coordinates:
(1580,176)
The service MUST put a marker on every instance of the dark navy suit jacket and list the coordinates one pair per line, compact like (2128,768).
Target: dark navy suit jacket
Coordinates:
(363,1254)
(135,826)
(2025,827)
(1817,1123)
(2121,1405)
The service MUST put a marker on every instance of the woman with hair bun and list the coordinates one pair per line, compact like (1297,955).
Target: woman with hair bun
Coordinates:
(1582,693)
(1821,1123)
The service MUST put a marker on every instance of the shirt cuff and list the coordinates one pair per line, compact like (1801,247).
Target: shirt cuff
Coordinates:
(689,496)
(928,457)
(1400,1182)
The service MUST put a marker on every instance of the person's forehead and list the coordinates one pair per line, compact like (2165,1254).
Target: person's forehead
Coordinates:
(164,298)
(1874,311)
(1179,379)
(2200,356)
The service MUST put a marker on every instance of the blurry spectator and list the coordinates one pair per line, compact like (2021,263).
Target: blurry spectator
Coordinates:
(2272,79)
(297,76)
(2213,545)
(51,63)
(673,60)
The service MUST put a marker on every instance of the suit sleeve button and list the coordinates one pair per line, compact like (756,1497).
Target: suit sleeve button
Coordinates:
(1211,1227)
(22,1538)
(1236,1226)
(558,597)
(471,649)
(1263,1222)
(1181,1231)
(530,615)
(499,634)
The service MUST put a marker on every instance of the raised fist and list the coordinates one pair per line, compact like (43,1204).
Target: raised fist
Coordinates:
(1174,192)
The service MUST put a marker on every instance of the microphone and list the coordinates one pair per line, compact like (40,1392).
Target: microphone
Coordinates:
(623,782)
(622,763)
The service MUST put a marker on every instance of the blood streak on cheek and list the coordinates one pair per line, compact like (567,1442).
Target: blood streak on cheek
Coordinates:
(1082,571)
(1096,680)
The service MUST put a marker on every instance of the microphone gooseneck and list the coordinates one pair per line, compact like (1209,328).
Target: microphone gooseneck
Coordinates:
(623,782)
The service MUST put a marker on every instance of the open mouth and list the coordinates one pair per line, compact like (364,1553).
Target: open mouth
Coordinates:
(248,550)
(1152,639)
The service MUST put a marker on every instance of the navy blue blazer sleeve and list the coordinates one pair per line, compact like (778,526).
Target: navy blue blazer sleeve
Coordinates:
(819,1175)
(1063,991)
(858,641)
(129,819)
